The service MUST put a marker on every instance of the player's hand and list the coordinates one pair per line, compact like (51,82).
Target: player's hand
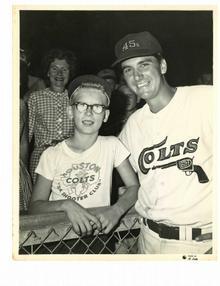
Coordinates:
(84,223)
(109,217)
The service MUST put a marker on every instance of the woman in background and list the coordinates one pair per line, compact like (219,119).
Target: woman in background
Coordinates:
(48,120)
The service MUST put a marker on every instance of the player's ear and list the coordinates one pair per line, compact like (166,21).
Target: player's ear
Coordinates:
(163,66)
(70,112)
(107,112)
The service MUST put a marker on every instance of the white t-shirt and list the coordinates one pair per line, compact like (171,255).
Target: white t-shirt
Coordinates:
(182,129)
(83,177)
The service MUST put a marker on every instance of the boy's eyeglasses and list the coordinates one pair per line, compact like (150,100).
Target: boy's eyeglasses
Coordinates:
(96,108)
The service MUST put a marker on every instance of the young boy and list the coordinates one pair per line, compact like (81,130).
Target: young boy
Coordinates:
(76,173)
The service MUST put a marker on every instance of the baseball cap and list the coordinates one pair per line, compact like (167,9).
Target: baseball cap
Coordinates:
(135,45)
(83,80)
(107,73)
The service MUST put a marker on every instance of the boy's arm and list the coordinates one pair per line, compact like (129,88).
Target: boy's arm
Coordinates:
(83,222)
(111,215)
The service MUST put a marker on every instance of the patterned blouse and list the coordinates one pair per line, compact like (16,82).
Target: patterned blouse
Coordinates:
(48,120)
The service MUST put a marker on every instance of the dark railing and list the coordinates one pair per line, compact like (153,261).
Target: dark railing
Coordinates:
(52,233)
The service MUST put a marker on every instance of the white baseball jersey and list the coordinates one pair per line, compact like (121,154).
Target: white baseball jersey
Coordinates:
(166,143)
(83,177)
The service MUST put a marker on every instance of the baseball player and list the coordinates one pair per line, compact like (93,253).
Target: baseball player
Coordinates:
(170,140)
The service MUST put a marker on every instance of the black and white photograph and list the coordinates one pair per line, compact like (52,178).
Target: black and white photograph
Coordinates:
(109,143)
(115,112)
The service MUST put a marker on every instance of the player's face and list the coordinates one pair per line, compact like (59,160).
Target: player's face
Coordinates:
(144,75)
(58,74)
(87,120)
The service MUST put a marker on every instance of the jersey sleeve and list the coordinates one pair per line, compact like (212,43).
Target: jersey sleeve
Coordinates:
(121,153)
(47,164)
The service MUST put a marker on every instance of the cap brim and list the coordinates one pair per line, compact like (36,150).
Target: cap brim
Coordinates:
(133,55)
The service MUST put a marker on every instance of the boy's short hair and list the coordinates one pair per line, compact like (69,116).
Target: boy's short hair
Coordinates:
(89,81)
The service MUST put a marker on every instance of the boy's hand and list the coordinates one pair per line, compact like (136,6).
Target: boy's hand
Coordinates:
(109,217)
(84,223)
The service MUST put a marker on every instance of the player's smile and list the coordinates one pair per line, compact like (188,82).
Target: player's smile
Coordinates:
(145,86)
(144,83)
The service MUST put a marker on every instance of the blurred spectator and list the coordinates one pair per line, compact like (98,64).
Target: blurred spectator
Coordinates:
(117,113)
(48,120)
(131,101)
(110,76)
(25,185)
(205,78)
(33,82)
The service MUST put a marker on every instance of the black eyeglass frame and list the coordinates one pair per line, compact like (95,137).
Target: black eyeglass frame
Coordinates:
(90,106)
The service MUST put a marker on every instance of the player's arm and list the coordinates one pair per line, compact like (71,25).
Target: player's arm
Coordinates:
(80,218)
(111,215)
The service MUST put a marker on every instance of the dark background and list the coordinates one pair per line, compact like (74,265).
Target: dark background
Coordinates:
(186,37)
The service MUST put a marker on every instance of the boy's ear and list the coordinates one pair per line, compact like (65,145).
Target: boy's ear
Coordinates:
(163,66)
(107,112)
(69,112)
